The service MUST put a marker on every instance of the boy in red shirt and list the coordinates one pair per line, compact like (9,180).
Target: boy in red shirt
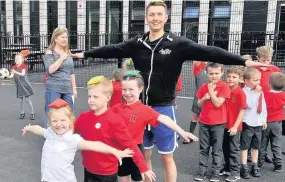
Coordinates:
(236,108)
(211,98)
(117,87)
(102,124)
(275,101)
(137,116)
(264,55)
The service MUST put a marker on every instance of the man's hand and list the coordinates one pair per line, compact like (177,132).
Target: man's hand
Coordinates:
(250,63)
(78,55)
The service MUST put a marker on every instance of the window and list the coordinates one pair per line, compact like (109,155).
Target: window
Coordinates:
(222,12)
(71,23)
(191,12)
(137,14)
(113,22)
(92,24)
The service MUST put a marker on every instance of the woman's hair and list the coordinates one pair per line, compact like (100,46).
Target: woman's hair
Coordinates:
(58,32)
(67,111)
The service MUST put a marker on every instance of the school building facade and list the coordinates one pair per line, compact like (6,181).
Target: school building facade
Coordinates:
(238,26)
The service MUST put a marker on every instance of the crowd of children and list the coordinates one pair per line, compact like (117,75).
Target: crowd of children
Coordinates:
(236,117)
(240,117)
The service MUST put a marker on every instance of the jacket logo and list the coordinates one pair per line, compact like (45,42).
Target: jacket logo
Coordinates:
(133,118)
(165,51)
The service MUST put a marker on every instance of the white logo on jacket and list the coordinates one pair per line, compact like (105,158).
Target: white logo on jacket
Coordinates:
(165,51)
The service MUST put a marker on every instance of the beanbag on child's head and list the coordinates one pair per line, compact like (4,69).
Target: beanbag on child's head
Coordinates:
(25,53)
(96,79)
(132,73)
(58,103)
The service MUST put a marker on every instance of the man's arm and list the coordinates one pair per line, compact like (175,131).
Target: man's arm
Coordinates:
(121,50)
(193,51)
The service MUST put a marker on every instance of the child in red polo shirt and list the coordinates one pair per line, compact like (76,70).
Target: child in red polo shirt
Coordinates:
(102,124)
(236,106)
(117,87)
(275,101)
(211,98)
(264,55)
(137,116)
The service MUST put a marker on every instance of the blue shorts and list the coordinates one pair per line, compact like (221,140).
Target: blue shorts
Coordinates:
(165,138)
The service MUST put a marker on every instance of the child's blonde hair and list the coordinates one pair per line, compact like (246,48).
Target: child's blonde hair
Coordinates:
(20,56)
(250,72)
(67,111)
(105,84)
(129,64)
(264,51)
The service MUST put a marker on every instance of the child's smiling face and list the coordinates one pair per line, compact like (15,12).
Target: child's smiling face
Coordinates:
(59,121)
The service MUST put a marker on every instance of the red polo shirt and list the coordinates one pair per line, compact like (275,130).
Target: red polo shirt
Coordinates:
(235,103)
(110,129)
(136,117)
(211,115)
(265,74)
(275,102)
(117,93)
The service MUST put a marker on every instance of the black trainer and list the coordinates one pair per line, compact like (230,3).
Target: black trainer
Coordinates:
(200,177)
(244,173)
(224,172)
(215,178)
(233,177)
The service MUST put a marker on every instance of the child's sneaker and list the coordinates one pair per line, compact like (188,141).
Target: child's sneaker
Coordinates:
(200,177)
(260,164)
(244,173)
(255,171)
(215,178)
(278,168)
(233,177)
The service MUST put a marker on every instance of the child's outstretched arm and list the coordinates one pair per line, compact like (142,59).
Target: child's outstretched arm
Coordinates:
(36,129)
(172,125)
(103,148)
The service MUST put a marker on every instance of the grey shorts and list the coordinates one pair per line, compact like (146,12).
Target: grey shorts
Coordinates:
(250,137)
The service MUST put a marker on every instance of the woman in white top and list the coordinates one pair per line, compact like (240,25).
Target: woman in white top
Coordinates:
(61,144)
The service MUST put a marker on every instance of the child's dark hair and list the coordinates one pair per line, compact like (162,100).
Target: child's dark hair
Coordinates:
(277,81)
(235,70)
(215,65)
(136,76)
(118,74)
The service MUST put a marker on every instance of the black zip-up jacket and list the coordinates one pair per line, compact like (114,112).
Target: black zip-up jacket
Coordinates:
(161,66)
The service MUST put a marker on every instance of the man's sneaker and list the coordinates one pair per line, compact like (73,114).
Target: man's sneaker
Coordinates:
(244,173)
(278,168)
(224,172)
(200,177)
(268,159)
(215,178)
(255,171)
(233,177)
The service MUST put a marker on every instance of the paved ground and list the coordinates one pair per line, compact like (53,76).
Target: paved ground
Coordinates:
(20,156)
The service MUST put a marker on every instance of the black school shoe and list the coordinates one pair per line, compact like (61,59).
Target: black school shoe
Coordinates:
(22,116)
(255,171)
(244,173)
(278,168)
